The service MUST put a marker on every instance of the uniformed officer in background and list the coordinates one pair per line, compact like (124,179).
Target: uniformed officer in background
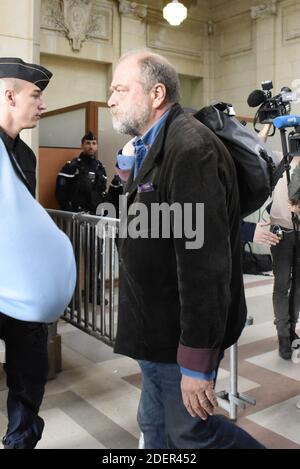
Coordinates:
(81,183)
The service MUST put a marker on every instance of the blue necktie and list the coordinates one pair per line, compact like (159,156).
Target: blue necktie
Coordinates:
(140,153)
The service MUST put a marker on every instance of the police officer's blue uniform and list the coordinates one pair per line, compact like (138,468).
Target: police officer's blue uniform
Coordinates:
(26,364)
(37,269)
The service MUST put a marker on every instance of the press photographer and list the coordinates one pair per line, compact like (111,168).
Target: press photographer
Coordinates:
(294,186)
(294,190)
(275,111)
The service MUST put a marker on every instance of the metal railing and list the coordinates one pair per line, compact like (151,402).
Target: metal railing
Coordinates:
(93,307)
(232,399)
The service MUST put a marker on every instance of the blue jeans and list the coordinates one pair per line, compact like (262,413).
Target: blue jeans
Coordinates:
(166,424)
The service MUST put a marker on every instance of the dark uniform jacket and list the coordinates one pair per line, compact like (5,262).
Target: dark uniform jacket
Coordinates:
(81,184)
(178,304)
(115,190)
(23,160)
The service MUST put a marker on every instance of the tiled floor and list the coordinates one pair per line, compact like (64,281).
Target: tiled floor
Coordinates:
(92,403)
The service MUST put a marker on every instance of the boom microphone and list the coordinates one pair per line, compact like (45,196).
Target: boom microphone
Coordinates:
(286,121)
(256,98)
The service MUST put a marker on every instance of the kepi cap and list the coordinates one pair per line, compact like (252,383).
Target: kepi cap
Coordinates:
(14,67)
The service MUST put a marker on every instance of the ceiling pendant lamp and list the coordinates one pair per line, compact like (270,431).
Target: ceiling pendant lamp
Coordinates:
(175,12)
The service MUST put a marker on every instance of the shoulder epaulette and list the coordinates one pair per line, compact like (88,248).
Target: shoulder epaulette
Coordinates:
(69,169)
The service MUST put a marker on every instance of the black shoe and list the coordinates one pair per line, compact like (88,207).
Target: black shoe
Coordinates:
(285,350)
(4,443)
(293,336)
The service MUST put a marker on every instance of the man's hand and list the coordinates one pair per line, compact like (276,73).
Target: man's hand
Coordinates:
(198,397)
(264,133)
(295,208)
(123,174)
(263,236)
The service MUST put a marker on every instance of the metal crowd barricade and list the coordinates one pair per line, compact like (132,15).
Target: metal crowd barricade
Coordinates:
(93,307)
(232,399)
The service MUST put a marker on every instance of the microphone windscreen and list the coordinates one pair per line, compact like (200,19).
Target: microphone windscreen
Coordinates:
(256,98)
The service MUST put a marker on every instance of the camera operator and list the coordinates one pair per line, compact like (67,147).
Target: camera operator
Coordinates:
(286,306)
(294,196)
(294,190)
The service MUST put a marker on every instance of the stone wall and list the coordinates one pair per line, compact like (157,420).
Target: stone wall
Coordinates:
(255,41)
(223,50)
(19,36)
(75,42)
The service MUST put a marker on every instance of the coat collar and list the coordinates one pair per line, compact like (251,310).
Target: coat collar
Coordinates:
(155,153)
(12,146)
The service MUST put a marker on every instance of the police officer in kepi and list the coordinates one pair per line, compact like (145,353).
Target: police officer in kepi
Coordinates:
(36,282)
(81,183)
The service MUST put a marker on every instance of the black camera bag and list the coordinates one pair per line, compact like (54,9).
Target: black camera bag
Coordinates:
(255,264)
(253,160)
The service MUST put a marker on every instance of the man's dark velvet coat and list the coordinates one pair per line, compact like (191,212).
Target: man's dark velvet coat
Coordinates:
(177,304)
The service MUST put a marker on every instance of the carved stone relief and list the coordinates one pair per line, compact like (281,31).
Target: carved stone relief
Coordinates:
(132,9)
(51,15)
(265,9)
(78,20)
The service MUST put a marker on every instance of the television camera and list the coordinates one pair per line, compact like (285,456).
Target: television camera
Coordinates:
(270,106)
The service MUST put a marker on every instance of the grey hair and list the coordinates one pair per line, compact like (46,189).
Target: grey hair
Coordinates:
(156,69)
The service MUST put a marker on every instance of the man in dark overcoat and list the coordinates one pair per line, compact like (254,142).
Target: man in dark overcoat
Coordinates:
(181,290)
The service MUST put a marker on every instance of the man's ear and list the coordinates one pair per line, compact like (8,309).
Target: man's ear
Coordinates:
(10,97)
(158,95)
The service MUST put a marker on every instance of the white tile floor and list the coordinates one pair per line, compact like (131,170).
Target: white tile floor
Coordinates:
(282,418)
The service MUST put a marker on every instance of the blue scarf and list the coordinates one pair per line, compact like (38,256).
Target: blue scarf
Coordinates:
(37,265)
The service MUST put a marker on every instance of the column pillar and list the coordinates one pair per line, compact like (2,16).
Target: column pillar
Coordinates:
(132,26)
(265,18)
(19,37)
